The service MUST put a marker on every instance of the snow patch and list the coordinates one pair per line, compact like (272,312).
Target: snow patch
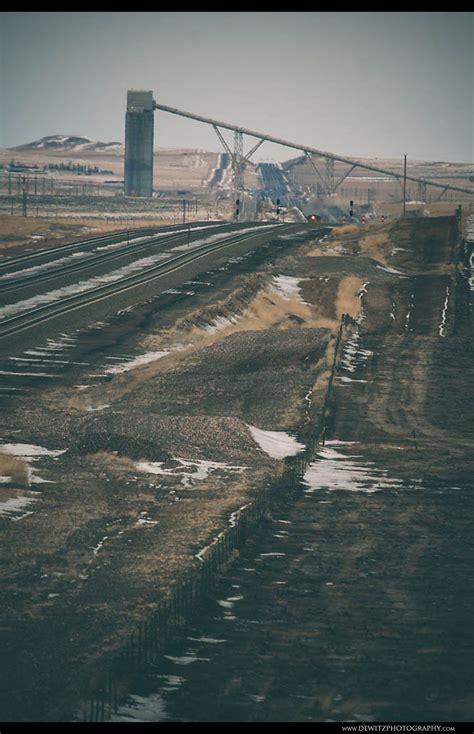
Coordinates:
(14,505)
(353,355)
(336,471)
(287,286)
(142,359)
(442,326)
(26,374)
(216,238)
(185,659)
(410,309)
(97,548)
(203,469)
(29,450)
(391,270)
(222,322)
(277,444)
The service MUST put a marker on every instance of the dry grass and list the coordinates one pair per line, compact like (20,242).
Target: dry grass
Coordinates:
(267,309)
(15,231)
(347,299)
(378,246)
(173,168)
(325,364)
(321,250)
(112,461)
(331,297)
(345,229)
(16,469)
(375,244)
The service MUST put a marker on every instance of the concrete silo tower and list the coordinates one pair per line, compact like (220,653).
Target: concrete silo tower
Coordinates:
(139,144)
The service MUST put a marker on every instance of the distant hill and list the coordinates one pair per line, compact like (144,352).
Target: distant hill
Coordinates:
(69,143)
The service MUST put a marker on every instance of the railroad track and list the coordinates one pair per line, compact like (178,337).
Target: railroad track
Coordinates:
(39,314)
(90,259)
(34,257)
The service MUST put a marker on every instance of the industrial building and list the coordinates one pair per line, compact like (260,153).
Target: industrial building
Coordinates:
(139,144)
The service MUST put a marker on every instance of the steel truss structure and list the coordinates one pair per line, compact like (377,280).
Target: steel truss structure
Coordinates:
(240,161)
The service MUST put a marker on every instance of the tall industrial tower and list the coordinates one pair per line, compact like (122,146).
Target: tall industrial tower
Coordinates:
(139,144)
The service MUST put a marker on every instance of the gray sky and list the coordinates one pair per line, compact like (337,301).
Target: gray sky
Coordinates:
(367,84)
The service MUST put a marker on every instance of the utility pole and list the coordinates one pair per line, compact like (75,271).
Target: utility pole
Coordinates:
(405,186)
(24,197)
(184,211)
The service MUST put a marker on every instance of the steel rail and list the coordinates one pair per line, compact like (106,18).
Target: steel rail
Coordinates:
(40,314)
(26,280)
(23,282)
(71,246)
(304,148)
(100,239)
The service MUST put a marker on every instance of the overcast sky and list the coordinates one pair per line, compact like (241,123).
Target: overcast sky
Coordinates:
(366,84)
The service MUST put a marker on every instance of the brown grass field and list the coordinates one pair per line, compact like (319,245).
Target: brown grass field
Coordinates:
(15,468)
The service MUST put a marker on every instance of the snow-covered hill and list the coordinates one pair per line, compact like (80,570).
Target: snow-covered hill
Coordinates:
(70,143)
